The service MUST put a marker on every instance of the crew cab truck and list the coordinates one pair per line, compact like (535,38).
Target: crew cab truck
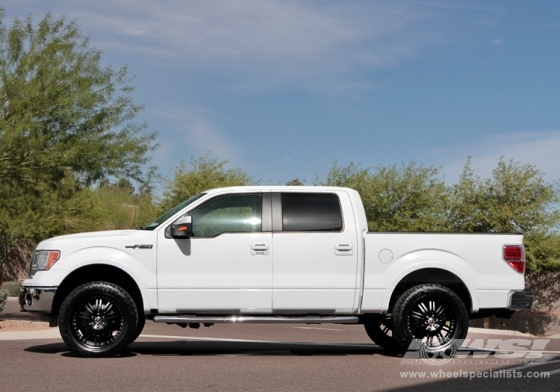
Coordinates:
(273,255)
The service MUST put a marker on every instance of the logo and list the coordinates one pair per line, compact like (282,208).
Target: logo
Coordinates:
(475,350)
(137,246)
(430,354)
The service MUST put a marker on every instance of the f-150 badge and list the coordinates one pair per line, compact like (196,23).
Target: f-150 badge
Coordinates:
(143,246)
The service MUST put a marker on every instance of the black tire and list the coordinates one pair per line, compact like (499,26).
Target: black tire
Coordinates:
(139,327)
(432,314)
(381,333)
(98,319)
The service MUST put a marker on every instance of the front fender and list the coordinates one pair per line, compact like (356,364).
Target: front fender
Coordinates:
(141,270)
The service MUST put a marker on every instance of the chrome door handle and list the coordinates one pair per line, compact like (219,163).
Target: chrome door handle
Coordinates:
(343,250)
(260,249)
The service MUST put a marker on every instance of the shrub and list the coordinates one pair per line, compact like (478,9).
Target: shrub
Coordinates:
(3,299)
(11,288)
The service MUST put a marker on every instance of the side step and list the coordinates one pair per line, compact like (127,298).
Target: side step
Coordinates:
(257,319)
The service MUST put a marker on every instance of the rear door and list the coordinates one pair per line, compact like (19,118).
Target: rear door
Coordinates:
(315,257)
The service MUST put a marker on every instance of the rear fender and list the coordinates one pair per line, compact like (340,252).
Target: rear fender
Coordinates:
(408,263)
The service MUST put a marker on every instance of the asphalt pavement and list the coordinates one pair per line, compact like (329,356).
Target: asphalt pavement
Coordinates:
(271,357)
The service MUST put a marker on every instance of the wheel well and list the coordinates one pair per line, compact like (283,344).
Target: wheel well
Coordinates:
(432,275)
(98,272)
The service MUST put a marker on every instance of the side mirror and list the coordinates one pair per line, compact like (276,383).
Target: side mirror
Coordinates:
(182,227)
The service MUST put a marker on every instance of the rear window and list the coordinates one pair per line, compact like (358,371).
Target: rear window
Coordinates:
(311,212)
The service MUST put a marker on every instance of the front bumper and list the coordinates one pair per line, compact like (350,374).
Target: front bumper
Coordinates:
(37,299)
(521,300)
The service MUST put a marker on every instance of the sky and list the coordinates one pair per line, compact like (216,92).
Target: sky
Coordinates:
(283,89)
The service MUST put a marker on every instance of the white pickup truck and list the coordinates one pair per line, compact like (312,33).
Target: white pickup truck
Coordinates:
(273,255)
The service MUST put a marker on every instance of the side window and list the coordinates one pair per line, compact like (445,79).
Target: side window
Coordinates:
(237,213)
(311,212)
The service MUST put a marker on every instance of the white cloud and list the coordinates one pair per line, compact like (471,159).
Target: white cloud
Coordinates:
(261,44)
(245,30)
(535,148)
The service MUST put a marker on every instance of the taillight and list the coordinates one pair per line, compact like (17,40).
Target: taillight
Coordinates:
(515,256)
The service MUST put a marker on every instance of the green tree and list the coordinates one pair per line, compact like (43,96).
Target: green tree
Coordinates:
(295,182)
(205,173)
(66,122)
(396,198)
(515,199)
(62,112)
(117,206)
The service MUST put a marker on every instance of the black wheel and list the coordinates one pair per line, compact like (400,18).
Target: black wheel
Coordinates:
(432,314)
(381,333)
(98,319)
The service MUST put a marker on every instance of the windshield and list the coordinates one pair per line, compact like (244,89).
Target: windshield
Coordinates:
(171,212)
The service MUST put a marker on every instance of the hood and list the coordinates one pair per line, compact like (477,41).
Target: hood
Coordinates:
(117,239)
(95,234)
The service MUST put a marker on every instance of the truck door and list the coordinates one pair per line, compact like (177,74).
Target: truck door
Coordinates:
(315,257)
(227,265)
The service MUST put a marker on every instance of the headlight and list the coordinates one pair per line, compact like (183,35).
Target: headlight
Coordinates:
(43,260)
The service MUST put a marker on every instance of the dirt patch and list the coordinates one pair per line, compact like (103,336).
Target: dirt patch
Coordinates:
(11,325)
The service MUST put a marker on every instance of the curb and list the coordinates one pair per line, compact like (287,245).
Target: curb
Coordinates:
(509,333)
(51,333)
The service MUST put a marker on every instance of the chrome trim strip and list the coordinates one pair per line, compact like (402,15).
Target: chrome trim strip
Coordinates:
(257,319)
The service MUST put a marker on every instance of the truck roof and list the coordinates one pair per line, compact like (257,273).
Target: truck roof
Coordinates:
(280,188)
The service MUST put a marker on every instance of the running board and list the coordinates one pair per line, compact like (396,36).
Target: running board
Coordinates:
(256,319)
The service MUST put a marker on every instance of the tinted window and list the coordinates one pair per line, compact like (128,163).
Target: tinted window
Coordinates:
(311,212)
(238,213)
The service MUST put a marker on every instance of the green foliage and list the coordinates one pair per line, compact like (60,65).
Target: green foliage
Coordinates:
(62,112)
(205,173)
(542,251)
(295,182)
(515,199)
(118,207)
(3,300)
(12,288)
(30,213)
(66,122)
(396,198)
